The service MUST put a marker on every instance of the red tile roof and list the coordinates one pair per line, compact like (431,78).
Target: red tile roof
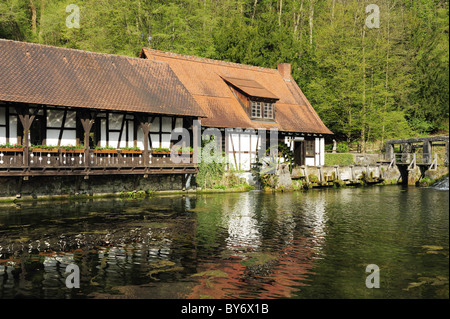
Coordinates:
(204,79)
(40,74)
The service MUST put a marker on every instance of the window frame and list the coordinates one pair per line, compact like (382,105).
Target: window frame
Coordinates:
(259,108)
(310,145)
(272,113)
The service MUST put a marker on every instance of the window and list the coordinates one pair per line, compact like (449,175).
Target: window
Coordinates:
(268,110)
(309,147)
(256,109)
(259,112)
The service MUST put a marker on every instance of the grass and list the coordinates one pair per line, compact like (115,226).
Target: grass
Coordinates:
(339,159)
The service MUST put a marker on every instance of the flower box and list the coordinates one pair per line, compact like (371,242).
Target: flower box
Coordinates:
(76,150)
(11,149)
(44,150)
(105,151)
(161,152)
(130,152)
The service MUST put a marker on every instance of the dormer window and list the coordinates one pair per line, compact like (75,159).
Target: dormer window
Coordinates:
(268,111)
(262,110)
(256,109)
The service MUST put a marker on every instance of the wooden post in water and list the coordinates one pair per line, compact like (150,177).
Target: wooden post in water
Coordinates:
(352,174)
(336,168)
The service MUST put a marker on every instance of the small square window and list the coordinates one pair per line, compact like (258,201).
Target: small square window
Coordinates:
(256,109)
(268,110)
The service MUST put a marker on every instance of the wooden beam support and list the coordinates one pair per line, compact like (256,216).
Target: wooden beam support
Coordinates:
(145,123)
(26,119)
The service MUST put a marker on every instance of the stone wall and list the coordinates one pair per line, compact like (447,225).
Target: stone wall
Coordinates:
(48,186)
(350,172)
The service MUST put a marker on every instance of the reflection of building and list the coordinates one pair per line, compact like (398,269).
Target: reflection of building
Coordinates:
(257,266)
(243,232)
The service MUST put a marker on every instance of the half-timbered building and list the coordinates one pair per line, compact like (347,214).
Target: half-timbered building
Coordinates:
(72,112)
(241,99)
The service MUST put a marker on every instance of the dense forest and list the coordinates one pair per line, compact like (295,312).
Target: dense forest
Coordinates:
(367,84)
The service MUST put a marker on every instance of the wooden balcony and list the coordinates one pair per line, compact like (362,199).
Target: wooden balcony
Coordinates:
(91,162)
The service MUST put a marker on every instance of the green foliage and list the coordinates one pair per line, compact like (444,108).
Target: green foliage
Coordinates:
(160,149)
(130,148)
(338,159)
(212,170)
(106,147)
(71,147)
(342,147)
(45,147)
(8,145)
(366,84)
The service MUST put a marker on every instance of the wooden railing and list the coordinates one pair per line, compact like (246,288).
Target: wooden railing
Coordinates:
(414,159)
(57,160)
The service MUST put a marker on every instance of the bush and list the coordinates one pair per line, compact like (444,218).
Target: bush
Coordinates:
(338,159)
(342,147)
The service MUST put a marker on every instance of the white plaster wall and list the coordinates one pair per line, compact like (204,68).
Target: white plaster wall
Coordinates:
(165,140)
(130,133)
(114,139)
(52,136)
(179,122)
(155,141)
(102,132)
(317,150)
(155,125)
(255,142)
(2,122)
(12,128)
(309,161)
(322,151)
(69,138)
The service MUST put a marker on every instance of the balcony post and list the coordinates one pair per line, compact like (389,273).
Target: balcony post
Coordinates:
(26,119)
(87,121)
(145,124)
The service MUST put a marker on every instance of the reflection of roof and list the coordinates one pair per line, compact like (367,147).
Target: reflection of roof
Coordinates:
(251,88)
(204,79)
(40,74)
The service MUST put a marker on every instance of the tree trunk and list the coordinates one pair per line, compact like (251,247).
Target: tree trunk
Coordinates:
(386,83)
(33,17)
(279,15)
(41,19)
(298,20)
(363,110)
(254,10)
(311,23)
(333,4)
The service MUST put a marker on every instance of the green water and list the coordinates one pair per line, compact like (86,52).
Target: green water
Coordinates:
(313,244)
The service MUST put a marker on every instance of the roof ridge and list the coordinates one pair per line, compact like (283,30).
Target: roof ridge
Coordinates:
(71,49)
(209,60)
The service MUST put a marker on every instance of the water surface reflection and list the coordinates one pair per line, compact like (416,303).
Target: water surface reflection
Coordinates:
(311,244)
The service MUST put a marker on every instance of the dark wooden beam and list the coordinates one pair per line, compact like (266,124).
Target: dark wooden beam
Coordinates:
(145,123)
(26,119)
